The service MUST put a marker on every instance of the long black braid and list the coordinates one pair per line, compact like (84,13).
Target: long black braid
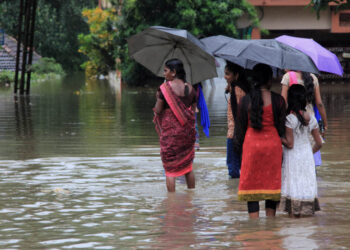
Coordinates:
(297,96)
(262,74)
(309,86)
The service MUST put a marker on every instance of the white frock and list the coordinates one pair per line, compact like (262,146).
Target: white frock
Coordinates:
(299,185)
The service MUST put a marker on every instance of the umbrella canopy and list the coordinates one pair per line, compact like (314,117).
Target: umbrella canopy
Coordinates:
(322,57)
(155,45)
(269,51)
(214,43)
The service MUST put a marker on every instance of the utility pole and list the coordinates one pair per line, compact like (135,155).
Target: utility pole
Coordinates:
(26,24)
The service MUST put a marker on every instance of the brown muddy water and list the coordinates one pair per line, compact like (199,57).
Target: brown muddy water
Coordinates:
(80,168)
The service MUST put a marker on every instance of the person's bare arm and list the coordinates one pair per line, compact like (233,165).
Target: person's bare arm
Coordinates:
(194,107)
(288,140)
(318,141)
(320,106)
(159,106)
(284,92)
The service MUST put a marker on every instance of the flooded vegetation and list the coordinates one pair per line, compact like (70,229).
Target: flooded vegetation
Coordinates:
(81,169)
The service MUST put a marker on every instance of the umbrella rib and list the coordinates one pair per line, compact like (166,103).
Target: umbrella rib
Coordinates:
(161,64)
(155,45)
(188,61)
(172,41)
(224,44)
(159,37)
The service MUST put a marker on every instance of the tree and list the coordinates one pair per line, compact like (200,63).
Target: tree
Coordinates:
(319,5)
(201,17)
(58,23)
(98,45)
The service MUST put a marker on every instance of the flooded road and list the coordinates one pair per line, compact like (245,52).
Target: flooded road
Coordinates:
(81,169)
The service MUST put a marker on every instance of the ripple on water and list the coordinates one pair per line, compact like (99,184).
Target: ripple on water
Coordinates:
(59,241)
(8,242)
(102,235)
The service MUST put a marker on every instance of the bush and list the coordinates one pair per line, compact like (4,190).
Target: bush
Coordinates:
(6,77)
(47,65)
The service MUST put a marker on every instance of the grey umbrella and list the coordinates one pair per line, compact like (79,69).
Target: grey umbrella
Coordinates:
(269,51)
(215,43)
(155,45)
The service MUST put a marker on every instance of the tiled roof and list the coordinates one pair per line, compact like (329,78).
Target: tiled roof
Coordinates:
(8,54)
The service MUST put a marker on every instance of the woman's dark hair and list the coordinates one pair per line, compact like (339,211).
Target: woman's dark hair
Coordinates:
(297,101)
(177,66)
(309,86)
(241,82)
(262,75)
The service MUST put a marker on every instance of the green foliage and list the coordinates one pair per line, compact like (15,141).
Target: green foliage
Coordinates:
(201,17)
(47,65)
(45,68)
(6,77)
(319,5)
(98,45)
(57,25)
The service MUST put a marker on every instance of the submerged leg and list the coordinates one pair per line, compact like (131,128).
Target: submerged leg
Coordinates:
(170,183)
(253,209)
(254,215)
(270,208)
(270,212)
(190,180)
(291,215)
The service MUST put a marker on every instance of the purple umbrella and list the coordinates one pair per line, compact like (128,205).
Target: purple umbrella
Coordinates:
(322,57)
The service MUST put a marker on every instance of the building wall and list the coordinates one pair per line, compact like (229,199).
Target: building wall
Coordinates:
(294,18)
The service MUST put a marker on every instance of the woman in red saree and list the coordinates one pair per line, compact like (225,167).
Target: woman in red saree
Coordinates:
(175,124)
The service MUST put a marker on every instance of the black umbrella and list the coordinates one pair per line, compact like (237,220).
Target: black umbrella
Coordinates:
(155,45)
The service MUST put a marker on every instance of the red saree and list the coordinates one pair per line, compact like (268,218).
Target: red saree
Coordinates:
(176,129)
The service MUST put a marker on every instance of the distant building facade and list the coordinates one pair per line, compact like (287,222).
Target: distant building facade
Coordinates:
(293,17)
(8,53)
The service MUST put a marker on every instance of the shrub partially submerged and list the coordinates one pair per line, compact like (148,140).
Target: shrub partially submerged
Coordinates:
(6,77)
(47,65)
(45,68)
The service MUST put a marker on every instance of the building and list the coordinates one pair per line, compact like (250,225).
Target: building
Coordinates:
(8,53)
(293,17)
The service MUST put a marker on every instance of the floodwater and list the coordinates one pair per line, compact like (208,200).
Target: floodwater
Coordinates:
(80,168)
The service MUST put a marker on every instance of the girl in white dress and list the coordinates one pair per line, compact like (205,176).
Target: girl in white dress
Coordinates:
(299,186)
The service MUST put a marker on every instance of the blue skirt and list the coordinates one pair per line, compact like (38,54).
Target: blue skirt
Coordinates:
(233,160)
(317,158)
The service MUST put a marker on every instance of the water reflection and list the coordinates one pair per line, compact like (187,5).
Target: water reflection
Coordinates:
(24,127)
(23,116)
(299,237)
(178,221)
(264,239)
